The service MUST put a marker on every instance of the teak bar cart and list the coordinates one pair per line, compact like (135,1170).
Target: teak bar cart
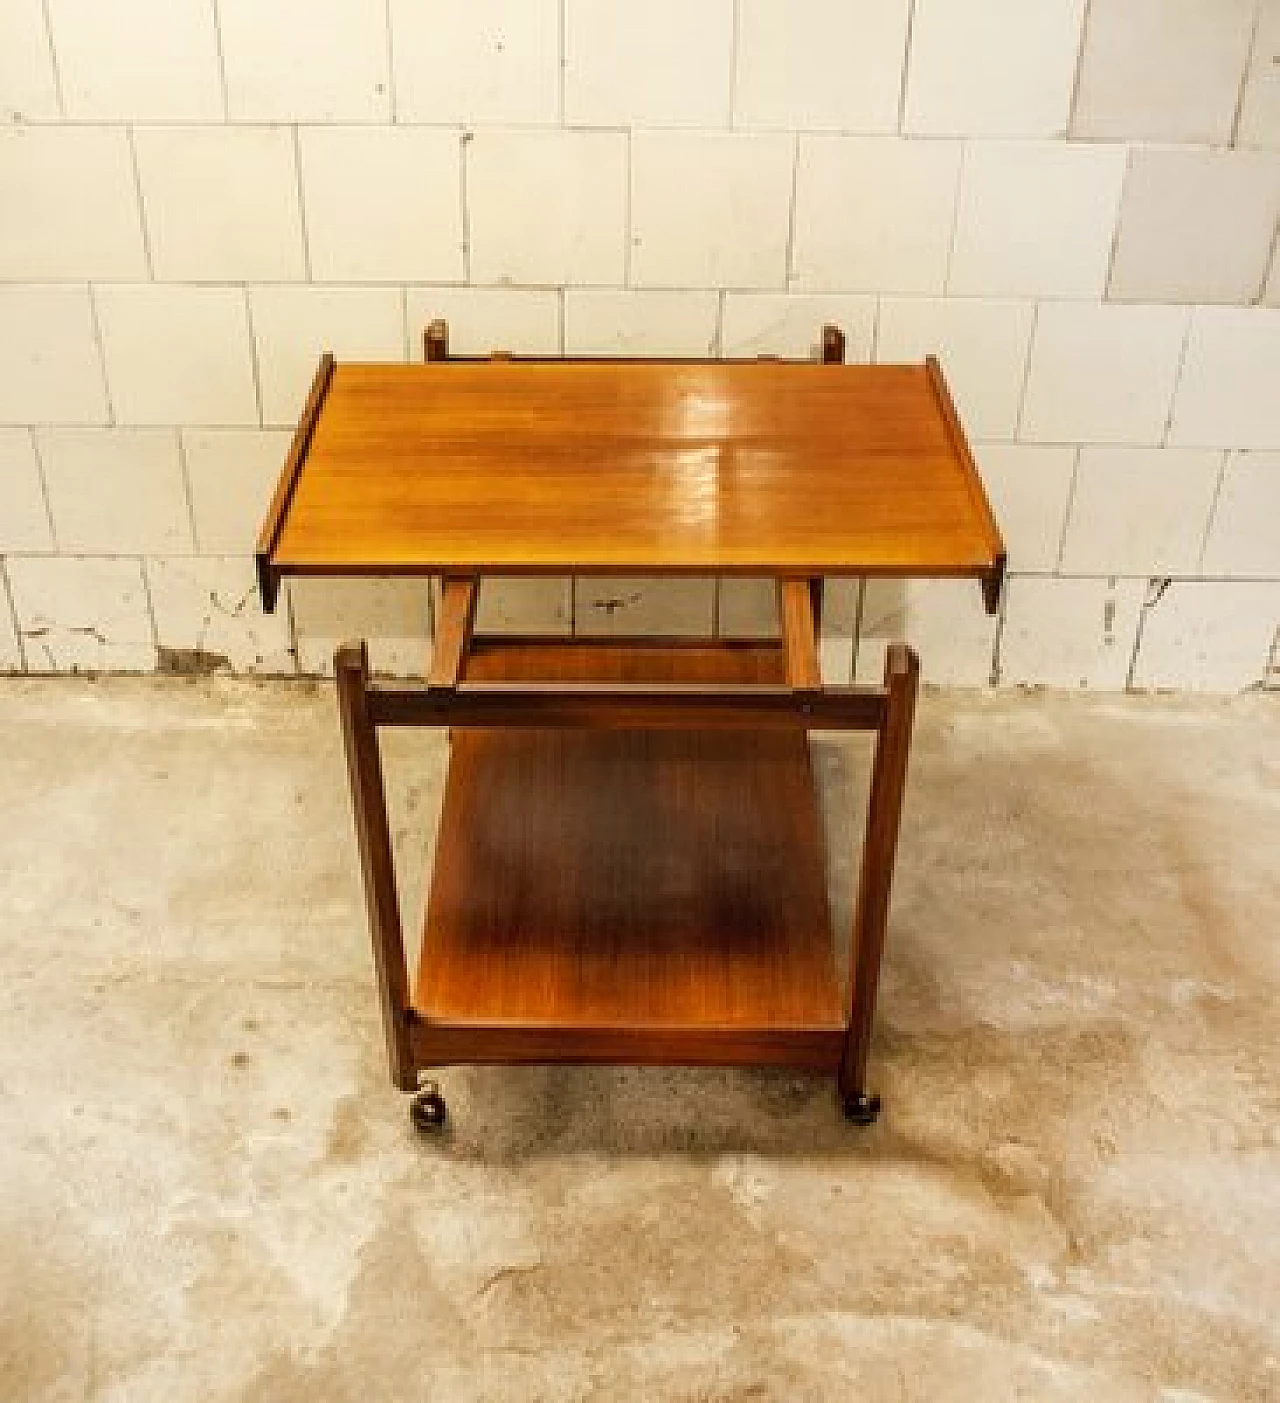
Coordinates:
(630,864)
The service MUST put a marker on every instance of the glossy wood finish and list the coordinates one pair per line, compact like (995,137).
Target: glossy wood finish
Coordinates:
(726,661)
(653,882)
(510,466)
(879,850)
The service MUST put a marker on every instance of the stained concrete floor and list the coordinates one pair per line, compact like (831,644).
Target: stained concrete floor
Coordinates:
(209,1191)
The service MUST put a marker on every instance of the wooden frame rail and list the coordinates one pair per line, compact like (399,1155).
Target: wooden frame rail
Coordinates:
(635,706)
(435,348)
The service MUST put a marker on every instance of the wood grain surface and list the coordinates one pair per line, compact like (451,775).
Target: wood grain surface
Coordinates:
(646,881)
(509,466)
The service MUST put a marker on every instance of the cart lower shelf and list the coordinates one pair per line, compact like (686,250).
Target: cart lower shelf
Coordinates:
(653,880)
(632,889)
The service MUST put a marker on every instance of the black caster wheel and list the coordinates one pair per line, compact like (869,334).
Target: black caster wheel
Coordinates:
(427,1110)
(862,1109)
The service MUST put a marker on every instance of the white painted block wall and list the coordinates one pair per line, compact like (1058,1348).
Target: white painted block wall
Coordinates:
(1073,204)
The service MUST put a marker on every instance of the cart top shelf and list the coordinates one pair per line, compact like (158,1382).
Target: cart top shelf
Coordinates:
(643,467)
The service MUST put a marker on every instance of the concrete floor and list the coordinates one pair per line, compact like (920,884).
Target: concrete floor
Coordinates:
(208,1189)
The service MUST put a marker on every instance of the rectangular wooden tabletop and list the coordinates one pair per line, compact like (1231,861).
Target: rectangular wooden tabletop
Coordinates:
(631,467)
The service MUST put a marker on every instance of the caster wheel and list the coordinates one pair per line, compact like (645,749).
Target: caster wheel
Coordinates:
(427,1110)
(862,1109)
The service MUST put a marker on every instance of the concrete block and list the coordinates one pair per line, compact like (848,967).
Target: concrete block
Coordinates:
(177,355)
(1244,535)
(136,60)
(392,615)
(1140,511)
(306,60)
(944,620)
(838,637)
(820,64)
(662,64)
(1208,636)
(231,474)
(1036,218)
(1029,487)
(116,491)
(710,209)
(50,369)
(71,205)
(992,67)
(221,203)
(209,618)
(621,605)
(1151,72)
(1227,391)
(294,326)
(11,659)
(383,204)
(547,207)
(28,90)
(1061,632)
(747,607)
(981,345)
(525,604)
(82,614)
(1102,374)
(604,323)
(1258,124)
(485,61)
(874,214)
(484,319)
(1196,226)
(790,324)
(24,517)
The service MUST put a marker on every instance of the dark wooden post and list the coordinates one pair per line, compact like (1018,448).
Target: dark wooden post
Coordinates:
(435,340)
(817,591)
(459,596)
(832,345)
(799,634)
(368,800)
(832,354)
(888,784)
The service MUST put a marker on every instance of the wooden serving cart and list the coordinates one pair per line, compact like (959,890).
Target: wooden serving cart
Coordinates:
(630,864)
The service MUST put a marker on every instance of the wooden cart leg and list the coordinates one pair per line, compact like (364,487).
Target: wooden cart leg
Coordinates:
(888,783)
(368,799)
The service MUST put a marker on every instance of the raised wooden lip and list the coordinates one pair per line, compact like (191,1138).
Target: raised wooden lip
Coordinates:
(992,578)
(269,572)
(990,571)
